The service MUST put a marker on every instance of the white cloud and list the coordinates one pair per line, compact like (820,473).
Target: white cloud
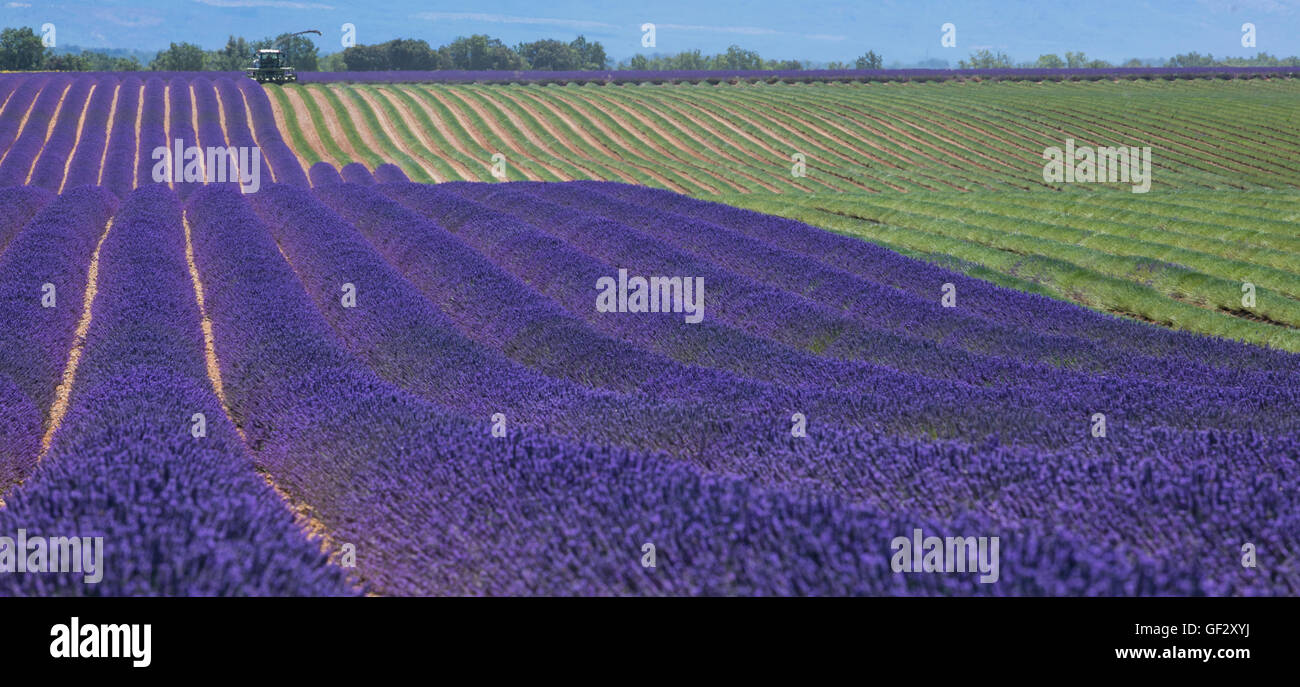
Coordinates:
(511,19)
(282,4)
(18,4)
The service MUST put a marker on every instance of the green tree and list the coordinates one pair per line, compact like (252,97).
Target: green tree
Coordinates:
(869,61)
(1075,60)
(591,54)
(333,62)
(985,59)
(179,57)
(21,49)
(65,63)
(550,55)
(1049,62)
(739,59)
(365,58)
(479,52)
(410,55)
(236,56)
(1191,59)
(691,59)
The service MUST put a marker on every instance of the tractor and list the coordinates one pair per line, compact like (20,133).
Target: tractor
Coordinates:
(273,64)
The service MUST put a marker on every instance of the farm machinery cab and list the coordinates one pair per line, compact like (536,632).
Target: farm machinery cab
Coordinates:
(273,66)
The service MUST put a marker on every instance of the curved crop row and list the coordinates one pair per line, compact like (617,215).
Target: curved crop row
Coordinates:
(118,173)
(284,164)
(1017,309)
(19,160)
(43,275)
(235,116)
(784,138)
(483,515)
(16,109)
(50,166)
(126,462)
(152,132)
(84,167)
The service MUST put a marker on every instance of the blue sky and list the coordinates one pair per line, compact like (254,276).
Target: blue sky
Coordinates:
(818,30)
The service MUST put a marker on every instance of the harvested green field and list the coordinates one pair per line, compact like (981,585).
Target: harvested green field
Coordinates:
(1175,259)
(951,171)
(854,137)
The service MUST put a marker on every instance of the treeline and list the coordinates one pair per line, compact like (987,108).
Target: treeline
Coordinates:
(477,52)
(986,59)
(735,58)
(21,50)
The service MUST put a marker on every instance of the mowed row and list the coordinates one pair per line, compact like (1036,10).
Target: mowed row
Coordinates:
(749,138)
(1223,263)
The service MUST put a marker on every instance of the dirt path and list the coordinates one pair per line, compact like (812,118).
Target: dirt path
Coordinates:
(8,96)
(767,131)
(614,106)
(933,129)
(361,126)
(76,141)
(177,165)
(591,141)
(414,124)
(303,514)
(308,128)
(845,137)
(390,131)
(108,134)
(490,122)
(575,160)
(614,138)
(459,114)
(135,162)
(63,391)
(194,125)
(252,130)
(221,117)
(673,107)
(567,98)
(22,125)
(49,129)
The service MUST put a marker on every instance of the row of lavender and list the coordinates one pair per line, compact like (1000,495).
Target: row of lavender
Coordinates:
(177,511)
(440,506)
(375,417)
(1220,478)
(94,138)
(476,300)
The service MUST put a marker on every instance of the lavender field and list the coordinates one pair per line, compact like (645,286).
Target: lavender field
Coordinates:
(342,382)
